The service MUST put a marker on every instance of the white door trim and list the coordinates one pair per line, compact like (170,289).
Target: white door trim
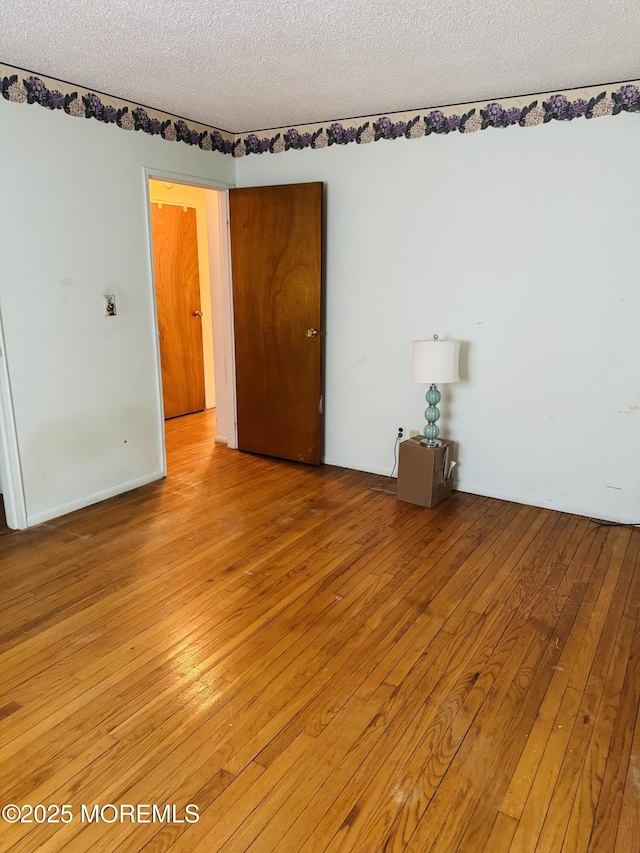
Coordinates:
(221,295)
(14,502)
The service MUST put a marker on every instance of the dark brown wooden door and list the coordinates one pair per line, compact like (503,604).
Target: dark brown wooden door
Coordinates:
(175,264)
(276,262)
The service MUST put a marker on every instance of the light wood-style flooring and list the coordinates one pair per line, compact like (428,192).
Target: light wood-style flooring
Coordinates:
(319,667)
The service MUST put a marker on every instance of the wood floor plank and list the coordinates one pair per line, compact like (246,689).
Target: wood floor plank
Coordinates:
(263,830)
(477,796)
(399,719)
(555,823)
(441,823)
(435,751)
(590,781)
(320,667)
(628,834)
(608,808)
(392,784)
(542,788)
(500,837)
(527,767)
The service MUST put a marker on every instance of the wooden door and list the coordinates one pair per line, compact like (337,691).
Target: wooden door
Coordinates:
(175,263)
(276,261)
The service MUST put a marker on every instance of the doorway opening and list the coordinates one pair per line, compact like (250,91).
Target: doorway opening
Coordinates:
(179,231)
(189,252)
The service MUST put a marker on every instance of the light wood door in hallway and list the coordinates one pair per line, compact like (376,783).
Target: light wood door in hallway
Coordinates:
(175,263)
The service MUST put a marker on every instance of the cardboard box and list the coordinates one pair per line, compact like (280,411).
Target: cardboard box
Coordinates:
(423,472)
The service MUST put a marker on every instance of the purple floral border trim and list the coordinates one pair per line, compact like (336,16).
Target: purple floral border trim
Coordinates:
(31,89)
(556,107)
(23,87)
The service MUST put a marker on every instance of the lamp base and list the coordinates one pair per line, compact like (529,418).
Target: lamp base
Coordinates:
(432,414)
(431,442)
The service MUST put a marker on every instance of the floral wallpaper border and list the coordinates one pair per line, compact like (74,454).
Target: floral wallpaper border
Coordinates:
(521,111)
(21,86)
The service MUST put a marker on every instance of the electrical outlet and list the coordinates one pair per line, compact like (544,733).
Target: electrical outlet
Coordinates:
(413,433)
(401,432)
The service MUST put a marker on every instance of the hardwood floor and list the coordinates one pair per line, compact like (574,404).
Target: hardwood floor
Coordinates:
(319,667)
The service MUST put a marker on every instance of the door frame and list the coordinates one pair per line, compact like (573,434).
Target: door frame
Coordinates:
(15,507)
(221,301)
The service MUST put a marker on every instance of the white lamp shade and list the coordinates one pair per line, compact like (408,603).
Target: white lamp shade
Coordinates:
(435,361)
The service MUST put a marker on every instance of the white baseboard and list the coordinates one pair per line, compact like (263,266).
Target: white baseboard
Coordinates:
(372,469)
(96,497)
(483,491)
(543,502)
(530,500)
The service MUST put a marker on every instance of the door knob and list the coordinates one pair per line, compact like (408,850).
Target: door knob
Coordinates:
(311,333)
(197,313)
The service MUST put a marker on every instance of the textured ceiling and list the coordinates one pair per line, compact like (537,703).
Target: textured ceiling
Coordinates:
(247,65)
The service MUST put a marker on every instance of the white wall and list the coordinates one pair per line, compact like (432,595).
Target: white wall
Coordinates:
(73,227)
(523,244)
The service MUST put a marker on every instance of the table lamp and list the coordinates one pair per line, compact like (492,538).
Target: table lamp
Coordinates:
(434,363)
